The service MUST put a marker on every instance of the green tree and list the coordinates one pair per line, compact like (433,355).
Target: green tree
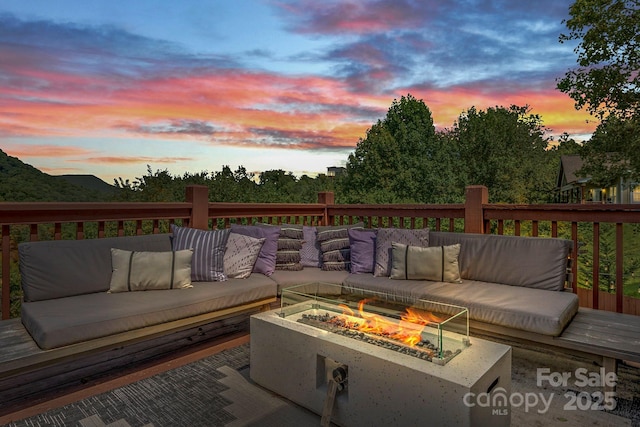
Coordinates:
(607,81)
(612,152)
(399,159)
(505,150)
(232,186)
(277,186)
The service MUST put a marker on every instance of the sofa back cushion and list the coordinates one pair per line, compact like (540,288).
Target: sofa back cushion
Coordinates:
(534,262)
(62,268)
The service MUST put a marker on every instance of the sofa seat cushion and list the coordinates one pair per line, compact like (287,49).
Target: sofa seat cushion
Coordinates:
(63,321)
(310,275)
(526,309)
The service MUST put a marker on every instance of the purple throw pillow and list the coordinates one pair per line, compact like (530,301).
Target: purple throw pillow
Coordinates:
(266,262)
(363,249)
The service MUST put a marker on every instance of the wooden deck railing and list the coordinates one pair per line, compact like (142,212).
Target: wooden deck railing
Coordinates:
(36,221)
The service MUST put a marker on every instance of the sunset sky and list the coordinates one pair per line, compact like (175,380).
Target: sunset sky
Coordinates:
(107,87)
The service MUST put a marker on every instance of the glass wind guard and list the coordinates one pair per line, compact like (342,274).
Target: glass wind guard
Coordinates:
(427,329)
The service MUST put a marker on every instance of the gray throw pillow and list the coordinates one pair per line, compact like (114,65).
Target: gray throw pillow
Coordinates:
(241,254)
(310,251)
(335,249)
(436,263)
(266,262)
(143,271)
(384,238)
(290,240)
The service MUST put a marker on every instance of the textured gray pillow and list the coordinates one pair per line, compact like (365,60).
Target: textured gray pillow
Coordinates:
(310,252)
(266,262)
(438,263)
(208,251)
(413,237)
(335,249)
(144,271)
(241,254)
(290,239)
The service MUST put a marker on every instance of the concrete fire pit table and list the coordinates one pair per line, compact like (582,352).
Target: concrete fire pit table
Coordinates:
(358,381)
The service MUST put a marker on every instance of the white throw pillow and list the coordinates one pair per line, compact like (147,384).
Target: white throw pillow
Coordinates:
(142,271)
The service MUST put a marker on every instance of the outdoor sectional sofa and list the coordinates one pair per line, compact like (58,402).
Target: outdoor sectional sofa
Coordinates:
(70,296)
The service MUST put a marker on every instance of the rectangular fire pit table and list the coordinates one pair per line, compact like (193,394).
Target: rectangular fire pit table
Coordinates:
(321,332)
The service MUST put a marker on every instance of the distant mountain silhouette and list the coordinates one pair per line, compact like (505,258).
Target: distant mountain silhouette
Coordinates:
(20,182)
(90,182)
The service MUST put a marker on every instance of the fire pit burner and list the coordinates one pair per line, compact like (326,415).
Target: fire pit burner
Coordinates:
(424,349)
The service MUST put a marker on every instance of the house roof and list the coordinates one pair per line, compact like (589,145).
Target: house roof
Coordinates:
(569,165)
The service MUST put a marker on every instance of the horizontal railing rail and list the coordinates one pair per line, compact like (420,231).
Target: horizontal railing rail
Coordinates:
(306,214)
(401,215)
(591,227)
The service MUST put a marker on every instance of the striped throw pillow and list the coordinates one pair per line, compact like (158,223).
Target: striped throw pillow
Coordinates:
(207,264)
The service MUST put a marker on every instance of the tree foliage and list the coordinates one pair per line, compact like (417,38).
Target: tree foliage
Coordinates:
(607,81)
(612,152)
(505,150)
(399,160)
(226,186)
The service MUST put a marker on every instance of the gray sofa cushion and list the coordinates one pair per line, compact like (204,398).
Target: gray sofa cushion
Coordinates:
(64,321)
(534,310)
(285,279)
(533,262)
(87,266)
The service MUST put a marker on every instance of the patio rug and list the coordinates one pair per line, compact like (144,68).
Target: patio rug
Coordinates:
(214,391)
(217,391)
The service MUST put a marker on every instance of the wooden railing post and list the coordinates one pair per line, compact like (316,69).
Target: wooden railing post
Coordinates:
(475,197)
(198,196)
(6,272)
(326,198)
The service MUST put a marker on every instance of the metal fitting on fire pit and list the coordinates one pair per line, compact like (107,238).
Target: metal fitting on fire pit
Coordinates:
(340,376)
(337,382)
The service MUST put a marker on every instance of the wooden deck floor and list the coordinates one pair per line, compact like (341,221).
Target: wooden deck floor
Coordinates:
(59,398)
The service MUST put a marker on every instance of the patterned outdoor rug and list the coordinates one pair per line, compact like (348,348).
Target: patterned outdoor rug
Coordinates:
(217,391)
(214,391)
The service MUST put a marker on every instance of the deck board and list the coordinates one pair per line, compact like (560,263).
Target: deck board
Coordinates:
(612,334)
(15,341)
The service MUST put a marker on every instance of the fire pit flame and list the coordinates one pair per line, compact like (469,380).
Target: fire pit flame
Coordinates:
(408,330)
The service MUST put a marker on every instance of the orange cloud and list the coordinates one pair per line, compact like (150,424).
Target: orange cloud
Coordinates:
(44,150)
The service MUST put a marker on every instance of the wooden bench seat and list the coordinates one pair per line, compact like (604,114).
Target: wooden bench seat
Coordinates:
(603,335)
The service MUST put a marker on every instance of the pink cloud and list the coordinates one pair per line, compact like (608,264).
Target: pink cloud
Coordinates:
(356,16)
(44,150)
(133,160)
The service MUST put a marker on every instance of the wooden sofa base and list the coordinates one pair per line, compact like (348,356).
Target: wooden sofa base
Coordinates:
(27,371)
(602,336)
